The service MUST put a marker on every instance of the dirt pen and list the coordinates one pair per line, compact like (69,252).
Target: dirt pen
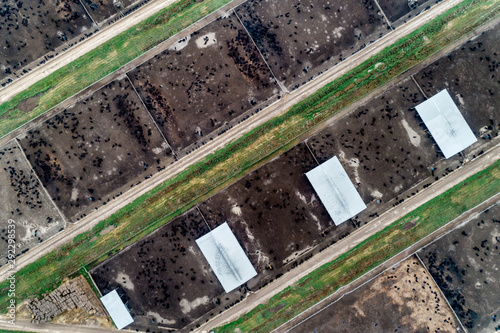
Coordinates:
(402,299)
(275,214)
(204,82)
(25,202)
(91,152)
(279,221)
(472,76)
(166,280)
(301,40)
(464,264)
(29,30)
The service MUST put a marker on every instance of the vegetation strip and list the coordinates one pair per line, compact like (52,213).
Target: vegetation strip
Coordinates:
(103,60)
(370,253)
(172,198)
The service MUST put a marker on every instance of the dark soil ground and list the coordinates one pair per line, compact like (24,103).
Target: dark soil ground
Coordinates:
(25,202)
(276,216)
(471,75)
(301,39)
(101,9)
(257,208)
(385,147)
(275,213)
(108,11)
(86,155)
(402,299)
(204,82)
(166,278)
(394,9)
(381,145)
(30,29)
(398,10)
(464,264)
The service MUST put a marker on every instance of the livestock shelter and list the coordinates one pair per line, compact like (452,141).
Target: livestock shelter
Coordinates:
(446,124)
(336,191)
(116,309)
(226,257)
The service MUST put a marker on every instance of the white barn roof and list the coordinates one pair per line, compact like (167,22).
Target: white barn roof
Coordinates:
(336,191)
(446,124)
(226,257)
(116,309)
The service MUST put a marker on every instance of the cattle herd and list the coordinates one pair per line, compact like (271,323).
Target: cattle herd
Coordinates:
(276,216)
(123,133)
(464,265)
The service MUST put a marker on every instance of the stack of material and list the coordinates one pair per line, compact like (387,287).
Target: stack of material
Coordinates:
(73,294)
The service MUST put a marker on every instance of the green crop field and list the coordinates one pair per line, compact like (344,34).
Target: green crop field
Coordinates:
(196,183)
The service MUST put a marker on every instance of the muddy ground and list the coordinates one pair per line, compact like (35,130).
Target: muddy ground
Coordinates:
(275,213)
(299,40)
(101,9)
(87,154)
(25,202)
(394,9)
(385,147)
(165,277)
(264,204)
(107,11)
(402,299)
(398,11)
(471,75)
(277,218)
(464,264)
(381,145)
(203,82)
(30,29)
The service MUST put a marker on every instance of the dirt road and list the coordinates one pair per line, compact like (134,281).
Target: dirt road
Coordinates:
(55,328)
(356,237)
(88,222)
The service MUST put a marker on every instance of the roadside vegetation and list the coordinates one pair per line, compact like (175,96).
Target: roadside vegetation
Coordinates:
(103,60)
(175,196)
(370,253)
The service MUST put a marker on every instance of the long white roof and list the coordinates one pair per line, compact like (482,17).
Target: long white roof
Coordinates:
(336,191)
(446,124)
(226,257)
(116,309)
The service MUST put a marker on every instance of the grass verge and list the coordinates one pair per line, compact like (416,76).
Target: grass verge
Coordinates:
(369,254)
(103,60)
(178,194)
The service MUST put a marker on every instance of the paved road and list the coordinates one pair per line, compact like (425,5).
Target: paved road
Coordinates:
(81,48)
(88,222)
(356,237)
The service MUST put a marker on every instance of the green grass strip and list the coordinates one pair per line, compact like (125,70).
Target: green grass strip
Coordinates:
(225,166)
(369,253)
(103,60)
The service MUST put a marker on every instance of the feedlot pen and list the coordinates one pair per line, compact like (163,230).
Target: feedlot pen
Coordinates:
(274,212)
